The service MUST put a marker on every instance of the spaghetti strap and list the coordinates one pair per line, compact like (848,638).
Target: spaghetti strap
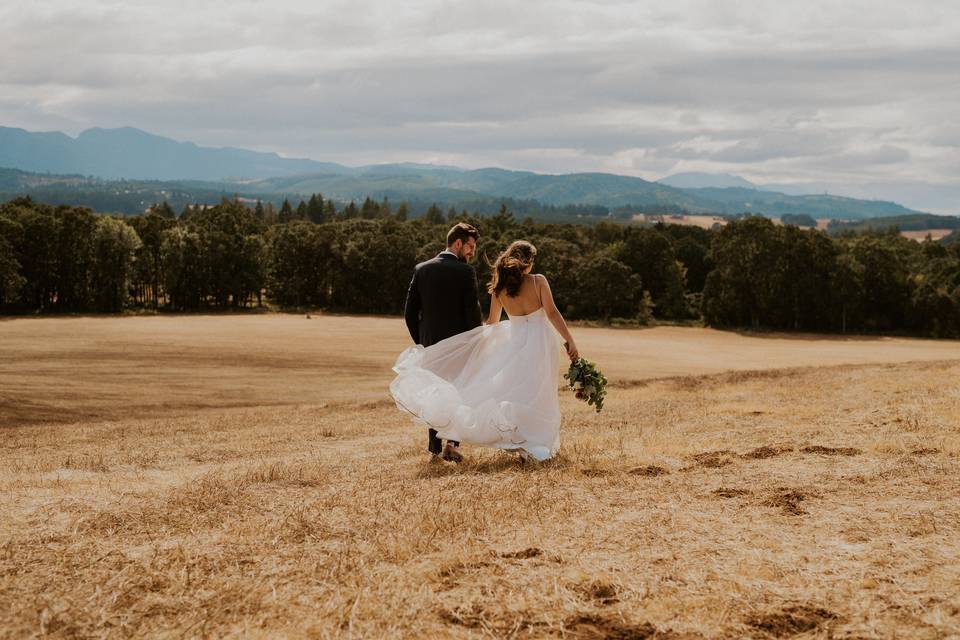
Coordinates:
(536,284)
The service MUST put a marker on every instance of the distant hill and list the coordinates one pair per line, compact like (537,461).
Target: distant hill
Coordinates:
(773,204)
(943,199)
(695,180)
(455,185)
(163,165)
(134,154)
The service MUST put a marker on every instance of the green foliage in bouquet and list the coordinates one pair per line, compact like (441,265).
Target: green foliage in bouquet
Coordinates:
(587,382)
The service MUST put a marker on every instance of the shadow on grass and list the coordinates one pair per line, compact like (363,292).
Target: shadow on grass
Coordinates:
(489,464)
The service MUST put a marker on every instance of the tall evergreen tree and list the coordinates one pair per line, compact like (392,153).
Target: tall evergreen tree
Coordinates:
(286,212)
(270,214)
(329,211)
(163,210)
(315,209)
(370,209)
(434,215)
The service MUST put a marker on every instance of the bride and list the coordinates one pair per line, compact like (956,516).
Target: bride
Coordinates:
(495,385)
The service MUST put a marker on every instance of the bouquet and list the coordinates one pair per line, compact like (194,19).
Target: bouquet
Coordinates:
(587,382)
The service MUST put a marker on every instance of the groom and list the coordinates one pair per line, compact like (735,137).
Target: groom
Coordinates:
(442,301)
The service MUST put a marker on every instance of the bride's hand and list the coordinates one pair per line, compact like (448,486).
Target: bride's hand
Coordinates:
(572,350)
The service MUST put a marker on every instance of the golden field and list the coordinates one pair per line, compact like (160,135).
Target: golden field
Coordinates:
(247,476)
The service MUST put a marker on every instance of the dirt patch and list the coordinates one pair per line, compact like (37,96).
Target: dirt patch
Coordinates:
(713,459)
(725,492)
(788,500)
(791,621)
(924,452)
(648,471)
(493,623)
(595,473)
(525,554)
(588,626)
(598,591)
(762,453)
(832,451)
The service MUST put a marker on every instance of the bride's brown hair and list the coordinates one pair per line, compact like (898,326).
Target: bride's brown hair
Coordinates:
(509,268)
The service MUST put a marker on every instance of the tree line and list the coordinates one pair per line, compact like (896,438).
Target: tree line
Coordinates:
(359,259)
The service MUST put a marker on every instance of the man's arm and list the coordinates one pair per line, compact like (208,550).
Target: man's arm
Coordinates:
(472,302)
(411,310)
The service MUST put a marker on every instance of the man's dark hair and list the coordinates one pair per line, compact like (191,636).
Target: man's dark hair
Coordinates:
(462,231)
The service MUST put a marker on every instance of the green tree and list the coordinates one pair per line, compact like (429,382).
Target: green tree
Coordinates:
(315,209)
(607,288)
(886,280)
(231,274)
(329,211)
(801,280)
(351,211)
(693,255)
(33,236)
(74,257)
(148,266)
(295,274)
(10,279)
(182,268)
(164,210)
(799,220)
(434,216)
(650,254)
(846,283)
(376,260)
(740,290)
(370,210)
(286,212)
(114,246)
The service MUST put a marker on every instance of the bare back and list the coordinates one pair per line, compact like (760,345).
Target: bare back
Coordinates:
(527,300)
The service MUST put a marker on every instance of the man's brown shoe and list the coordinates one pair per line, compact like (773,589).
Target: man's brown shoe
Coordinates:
(451,453)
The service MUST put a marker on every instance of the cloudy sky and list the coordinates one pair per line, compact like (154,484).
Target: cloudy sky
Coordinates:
(843,91)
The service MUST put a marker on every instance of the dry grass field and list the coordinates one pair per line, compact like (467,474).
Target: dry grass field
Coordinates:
(920,236)
(246,476)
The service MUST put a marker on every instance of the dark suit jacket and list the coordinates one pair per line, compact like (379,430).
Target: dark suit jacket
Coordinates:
(442,300)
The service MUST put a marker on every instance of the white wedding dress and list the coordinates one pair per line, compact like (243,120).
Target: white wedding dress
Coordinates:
(493,386)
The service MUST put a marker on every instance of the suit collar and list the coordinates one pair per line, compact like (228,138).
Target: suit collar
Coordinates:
(448,255)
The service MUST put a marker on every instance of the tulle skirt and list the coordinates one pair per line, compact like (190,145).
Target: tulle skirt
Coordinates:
(493,386)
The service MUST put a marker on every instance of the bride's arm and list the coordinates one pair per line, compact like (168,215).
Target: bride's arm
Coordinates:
(496,310)
(550,308)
